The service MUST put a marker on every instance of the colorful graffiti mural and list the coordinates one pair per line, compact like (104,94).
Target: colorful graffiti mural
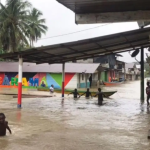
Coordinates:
(33,79)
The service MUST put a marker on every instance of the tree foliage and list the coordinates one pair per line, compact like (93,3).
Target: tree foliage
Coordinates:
(20,24)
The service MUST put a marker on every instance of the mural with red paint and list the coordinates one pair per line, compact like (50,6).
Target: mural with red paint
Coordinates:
(68,77)
(2,75)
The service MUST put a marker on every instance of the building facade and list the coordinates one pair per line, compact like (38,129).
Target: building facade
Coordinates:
(132,71)
(76,74)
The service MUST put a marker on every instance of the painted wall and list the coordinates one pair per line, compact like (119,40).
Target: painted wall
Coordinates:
(104,76)
(35,79)
(84,81)
(94,79)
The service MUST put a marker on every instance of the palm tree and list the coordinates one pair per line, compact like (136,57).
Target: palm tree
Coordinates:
(19,24)
(37,26)
(13,24)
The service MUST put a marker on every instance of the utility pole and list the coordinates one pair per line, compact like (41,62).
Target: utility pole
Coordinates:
(142,75)
(142,90)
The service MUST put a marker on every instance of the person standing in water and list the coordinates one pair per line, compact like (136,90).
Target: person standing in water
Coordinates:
(51,89)
(75,94)
(90,80)
(148,92)
(3,125)
(87,93)
(100,96)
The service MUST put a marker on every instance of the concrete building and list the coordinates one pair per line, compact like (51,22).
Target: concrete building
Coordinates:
(76,74)
(132,71)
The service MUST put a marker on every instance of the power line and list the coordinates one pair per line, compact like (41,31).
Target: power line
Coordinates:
(73,32)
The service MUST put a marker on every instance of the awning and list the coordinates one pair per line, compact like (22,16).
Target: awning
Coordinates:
(101,6)
(89,48)
(96,11)
(46,68)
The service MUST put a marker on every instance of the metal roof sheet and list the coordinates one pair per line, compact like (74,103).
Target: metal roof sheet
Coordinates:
(46,68)
(102,6)
(89,48)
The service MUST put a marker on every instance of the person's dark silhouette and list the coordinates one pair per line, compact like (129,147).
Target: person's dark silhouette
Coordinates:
(3,125)
(90,80)
(148,92)
(75,93)
(87,93)
(100,96)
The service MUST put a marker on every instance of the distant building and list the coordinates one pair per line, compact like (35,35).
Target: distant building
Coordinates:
(114,69)
(132,71)
(120,70)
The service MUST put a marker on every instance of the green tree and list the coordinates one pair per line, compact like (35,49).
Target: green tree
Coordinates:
(37,26)
(13,24)
(19,24)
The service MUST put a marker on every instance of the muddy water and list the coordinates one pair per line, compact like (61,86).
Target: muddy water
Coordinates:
(48,124)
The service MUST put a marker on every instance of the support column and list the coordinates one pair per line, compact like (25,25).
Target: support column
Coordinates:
(20,82)
(142,75)
(79,80)
(124,72)
(63,79)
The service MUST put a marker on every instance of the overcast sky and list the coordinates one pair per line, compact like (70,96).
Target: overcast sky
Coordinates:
(61,20)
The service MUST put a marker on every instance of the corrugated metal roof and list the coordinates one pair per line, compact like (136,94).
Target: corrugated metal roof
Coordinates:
(102,6)
(89,48)
(46,68)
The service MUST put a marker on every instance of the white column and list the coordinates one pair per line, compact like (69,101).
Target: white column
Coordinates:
(20,70)
(20,82)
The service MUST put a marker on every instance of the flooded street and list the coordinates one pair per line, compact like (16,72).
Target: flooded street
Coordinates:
(47,124)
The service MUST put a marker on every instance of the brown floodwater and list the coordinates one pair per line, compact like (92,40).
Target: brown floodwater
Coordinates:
(47,124)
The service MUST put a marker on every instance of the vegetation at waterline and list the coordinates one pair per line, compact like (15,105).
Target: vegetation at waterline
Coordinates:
(20,25)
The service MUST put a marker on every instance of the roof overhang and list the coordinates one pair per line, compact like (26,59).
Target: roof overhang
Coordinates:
(89,48)
(46,68)
(106,11)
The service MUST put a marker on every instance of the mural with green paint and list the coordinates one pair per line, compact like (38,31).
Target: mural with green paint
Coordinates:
(14,81)
(44,79)
(57,77)
(48,78)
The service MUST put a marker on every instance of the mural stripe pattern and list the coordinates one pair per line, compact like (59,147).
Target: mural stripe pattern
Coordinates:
(47,78)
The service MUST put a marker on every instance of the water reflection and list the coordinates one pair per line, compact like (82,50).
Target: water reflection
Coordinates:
(18,115)
(4,143)
(148,110)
